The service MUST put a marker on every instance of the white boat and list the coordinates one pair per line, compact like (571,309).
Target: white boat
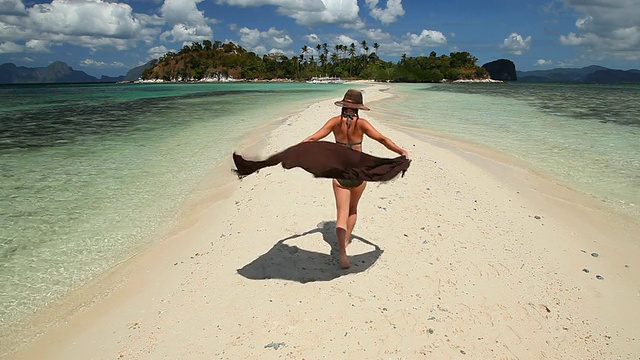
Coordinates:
(325,80)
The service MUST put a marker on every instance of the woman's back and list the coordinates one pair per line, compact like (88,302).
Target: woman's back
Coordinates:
(348,131)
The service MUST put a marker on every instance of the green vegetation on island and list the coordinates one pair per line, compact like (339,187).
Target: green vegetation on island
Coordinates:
(217,60)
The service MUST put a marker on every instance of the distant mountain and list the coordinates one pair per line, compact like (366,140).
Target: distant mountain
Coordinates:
(614,77)
(135,73)
(589,74)
(57,72)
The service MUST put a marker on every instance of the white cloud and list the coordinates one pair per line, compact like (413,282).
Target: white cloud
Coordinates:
(515,44)
(12,7)
(543,62)
(313,5)
(388,15)
(84,18)
(606,27)
(86,23)
(158,51)
(313,38)
(256,40)
(284,41)
(334,12)
(14,32)
(184,32)
(9,47)
(100,64)
(316,12)
(427,38)
(583,23)
(570,39)
(376,35)
(182,11)
(249,37)
(346,40)
(276,51)
(36,45)
(395,48)
(92,42)
(189,23)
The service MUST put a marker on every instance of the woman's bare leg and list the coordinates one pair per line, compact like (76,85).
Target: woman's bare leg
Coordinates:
(355,194)
(343,197)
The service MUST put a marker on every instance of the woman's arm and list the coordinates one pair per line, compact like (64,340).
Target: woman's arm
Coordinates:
(322,132)
(371,132)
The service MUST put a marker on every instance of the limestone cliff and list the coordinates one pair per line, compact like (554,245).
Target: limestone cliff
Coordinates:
(502,69)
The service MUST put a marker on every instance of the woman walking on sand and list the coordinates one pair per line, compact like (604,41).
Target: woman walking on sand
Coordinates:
(349,129)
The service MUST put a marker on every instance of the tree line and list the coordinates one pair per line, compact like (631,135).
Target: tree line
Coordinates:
(222,60)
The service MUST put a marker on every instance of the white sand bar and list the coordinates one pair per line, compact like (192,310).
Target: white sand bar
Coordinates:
(464,258)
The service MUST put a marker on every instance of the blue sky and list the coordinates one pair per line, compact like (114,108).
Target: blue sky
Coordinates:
(109,38)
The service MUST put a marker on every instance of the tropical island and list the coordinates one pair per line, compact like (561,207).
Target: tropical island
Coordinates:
(219,61)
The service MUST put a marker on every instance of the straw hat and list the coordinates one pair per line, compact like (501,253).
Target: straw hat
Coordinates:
(352,99)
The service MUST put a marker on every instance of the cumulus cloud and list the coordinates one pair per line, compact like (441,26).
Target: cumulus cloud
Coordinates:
(427,38)
(283,40)
(36,45)
(189,23)
(100,64)
(14,32)
(276,51)
(85,18)
(515,44)
(543,62)
(312,5)
(157,51)
(86,23)
(189,33)
(376,35)
(93,42)
(313,38)
(9,47)
(346,40)
(316,12)
(333,12)
(606,27)
(387,15)
(12,7)
(395,48)
(257,41)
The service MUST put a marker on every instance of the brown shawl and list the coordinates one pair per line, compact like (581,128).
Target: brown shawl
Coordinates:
(328,160)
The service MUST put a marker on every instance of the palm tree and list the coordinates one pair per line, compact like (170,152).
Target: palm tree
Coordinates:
(352,54)
(323,62)
(318,47)
(376,46)
(366,52)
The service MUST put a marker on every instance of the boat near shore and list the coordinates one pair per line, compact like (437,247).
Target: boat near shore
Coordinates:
(325,80)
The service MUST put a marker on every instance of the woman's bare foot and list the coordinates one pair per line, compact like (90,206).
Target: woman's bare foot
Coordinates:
(344,261)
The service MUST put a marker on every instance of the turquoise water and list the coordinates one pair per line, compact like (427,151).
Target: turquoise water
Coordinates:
(585,136)
(90,173)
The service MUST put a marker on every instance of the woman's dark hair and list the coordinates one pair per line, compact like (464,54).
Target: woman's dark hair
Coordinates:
(355,110)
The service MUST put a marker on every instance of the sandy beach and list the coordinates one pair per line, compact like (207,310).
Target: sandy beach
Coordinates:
(468,256)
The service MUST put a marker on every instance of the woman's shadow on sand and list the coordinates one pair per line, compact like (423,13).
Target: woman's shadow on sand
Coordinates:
(293,263)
